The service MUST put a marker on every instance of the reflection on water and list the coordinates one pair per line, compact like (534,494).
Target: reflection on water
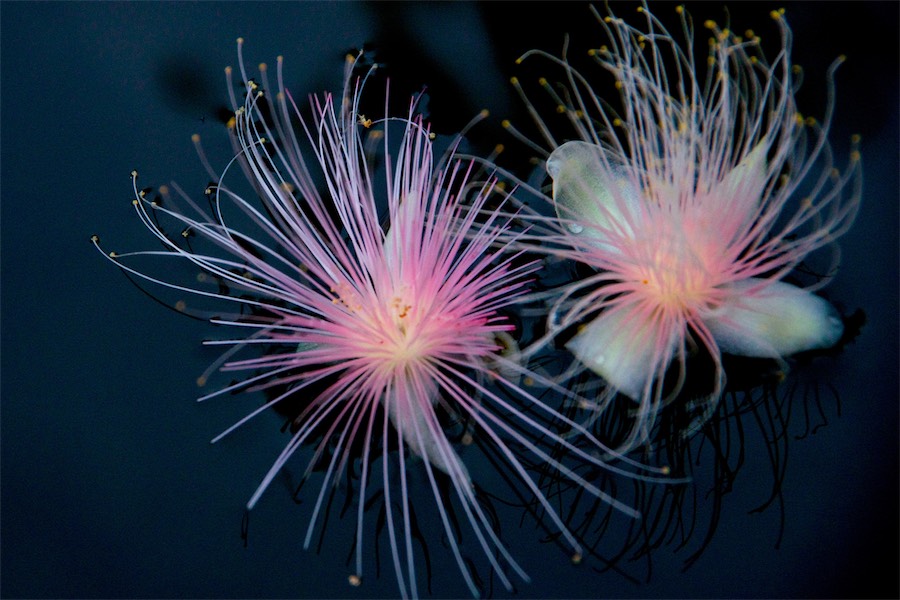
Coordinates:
(763,412)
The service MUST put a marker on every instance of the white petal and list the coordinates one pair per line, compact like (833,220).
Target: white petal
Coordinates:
(741,191)
(414,427)
(619,348)
(748,178)
(777,319)
(587,195)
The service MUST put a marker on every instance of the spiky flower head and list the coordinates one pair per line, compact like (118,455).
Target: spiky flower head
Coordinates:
(693,202)
(379,295)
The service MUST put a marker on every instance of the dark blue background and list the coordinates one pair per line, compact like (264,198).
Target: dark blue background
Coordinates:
(109,485)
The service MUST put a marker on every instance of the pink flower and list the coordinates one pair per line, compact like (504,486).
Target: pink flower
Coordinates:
(692,204)
(381,298)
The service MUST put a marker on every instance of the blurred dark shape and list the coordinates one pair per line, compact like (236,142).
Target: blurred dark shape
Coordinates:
(186,84)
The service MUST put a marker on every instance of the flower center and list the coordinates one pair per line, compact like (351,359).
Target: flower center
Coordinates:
(676,275)
(390,331)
